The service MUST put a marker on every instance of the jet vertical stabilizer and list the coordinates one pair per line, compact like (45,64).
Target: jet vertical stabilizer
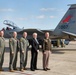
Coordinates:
(68,23)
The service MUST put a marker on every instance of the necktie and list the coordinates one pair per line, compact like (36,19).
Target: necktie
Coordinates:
(37,41)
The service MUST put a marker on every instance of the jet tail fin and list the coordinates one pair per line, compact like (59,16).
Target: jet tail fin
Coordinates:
(68,22)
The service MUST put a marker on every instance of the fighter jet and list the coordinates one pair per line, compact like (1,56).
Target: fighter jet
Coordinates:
(11,27)
(67,26)
(65,29)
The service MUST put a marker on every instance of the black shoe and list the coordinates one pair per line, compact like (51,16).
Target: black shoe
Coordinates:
(25,69)
(45,69)
(1,70)
(32,69)
(35,68)
(16,69)
(48,68)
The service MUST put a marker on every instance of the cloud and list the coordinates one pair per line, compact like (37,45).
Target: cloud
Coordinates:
(51,9)
(47,9)
(7,18)
(7,10)
(60,10)
(52,17)
(15,18)
(22,19)
(36,23)
(40,17)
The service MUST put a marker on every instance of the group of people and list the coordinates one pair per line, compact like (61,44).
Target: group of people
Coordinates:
(22,45)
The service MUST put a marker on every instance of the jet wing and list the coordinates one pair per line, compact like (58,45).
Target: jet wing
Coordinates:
(31,31)
(50,31)
(69,33)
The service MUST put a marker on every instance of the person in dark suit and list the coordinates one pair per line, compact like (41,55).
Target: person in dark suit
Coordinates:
(34,52)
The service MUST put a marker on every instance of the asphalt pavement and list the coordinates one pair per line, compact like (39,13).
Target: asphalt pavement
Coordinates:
(62,62)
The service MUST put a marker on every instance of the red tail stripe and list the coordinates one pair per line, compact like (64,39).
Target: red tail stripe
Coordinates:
(67,19)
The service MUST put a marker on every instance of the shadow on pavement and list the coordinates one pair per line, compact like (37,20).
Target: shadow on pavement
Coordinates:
(57,52)
(6,49)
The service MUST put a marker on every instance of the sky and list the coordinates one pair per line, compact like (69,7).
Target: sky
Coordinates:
(40,14)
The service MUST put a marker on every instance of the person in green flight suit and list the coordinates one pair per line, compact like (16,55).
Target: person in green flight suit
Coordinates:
(23,51)
(2,49)
(13,44)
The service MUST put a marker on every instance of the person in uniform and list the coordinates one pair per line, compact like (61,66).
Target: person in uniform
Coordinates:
(34,52)
(24,44)
(46,51)
(13,44)
(2,49)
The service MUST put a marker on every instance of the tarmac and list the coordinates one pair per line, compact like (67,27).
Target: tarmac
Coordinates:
(62,62)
